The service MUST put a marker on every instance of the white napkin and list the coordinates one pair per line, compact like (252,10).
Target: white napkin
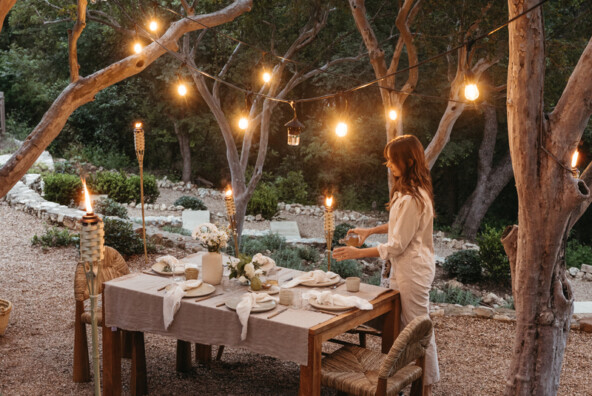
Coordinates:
(318,276)
(171,261)
(328,298)
(246,304)
(172,299)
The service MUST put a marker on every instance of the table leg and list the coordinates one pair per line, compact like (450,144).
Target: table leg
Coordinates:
(111,362)
(139,380)
(126,344)
(203,353)
(310,375)
(183,356)
(392,325)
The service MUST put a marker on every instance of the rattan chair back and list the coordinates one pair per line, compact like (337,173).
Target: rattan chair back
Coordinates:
(112,266)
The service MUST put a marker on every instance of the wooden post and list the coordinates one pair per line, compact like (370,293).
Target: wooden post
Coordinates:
(2,115)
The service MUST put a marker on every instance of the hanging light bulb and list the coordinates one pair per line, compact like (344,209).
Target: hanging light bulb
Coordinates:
(137,47)
(471,89)
(341,129)
(294,128)
(182,89)
(153,25)
(392,114)
(266,76)
(243,123)
(574,159)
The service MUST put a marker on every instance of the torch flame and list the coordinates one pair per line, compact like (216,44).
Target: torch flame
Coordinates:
(138,125)
(574,159)
(229,192)
(87,203)
(329,202)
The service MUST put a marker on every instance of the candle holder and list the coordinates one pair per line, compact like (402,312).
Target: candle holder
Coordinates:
(231,214)
(92,252)
(329,229)
(139,144)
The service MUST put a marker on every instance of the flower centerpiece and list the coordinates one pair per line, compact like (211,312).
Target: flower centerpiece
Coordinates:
(213,239)
(251,269)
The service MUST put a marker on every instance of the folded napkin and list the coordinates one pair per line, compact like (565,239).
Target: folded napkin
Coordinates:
(172,299)
(328,298)
(317,275)
(246,304)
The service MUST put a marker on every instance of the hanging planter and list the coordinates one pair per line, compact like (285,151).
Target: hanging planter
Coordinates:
(5,308)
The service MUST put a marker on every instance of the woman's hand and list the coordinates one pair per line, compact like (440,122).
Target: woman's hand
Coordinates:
(345,253)
(363,233)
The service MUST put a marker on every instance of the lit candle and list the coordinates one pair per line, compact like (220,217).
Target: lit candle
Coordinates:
(574,163)
(231,214)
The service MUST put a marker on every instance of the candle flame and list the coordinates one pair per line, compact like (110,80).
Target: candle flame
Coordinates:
(229,192)
(87,203)
(328,202)
(574,159)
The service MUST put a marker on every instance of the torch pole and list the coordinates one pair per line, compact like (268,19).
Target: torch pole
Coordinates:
(139,143)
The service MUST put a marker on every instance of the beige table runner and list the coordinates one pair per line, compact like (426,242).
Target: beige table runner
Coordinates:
(132,302)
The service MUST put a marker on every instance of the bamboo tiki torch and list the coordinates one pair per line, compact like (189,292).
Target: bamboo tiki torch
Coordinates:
(92,253)
(139,144)
(329,228)
(231,214)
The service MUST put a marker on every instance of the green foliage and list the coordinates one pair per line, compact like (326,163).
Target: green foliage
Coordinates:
(264,201)
(64,167)
(192,203)
(493,256)
(288,257)
(62,188)
(120,236)
(340,233)
(292,188)
(270,241)
(54,237)
(577,254)
(465,265)
(453,295)
(151,192)
(509,304)
(109,207)
(177,230)
(344,268)
(309,254)
(374,279)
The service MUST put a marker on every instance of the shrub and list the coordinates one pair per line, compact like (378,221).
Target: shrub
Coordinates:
(292,188)
(577,254)
(109,207)
(344,268)
(192,203)
(309,254)
(492,255)
(374,279)
(288,257)
(264,201)
(110,183)
(120,236)
(55,237)
(465,265)
(151,192)
(454,295)
(270,241)
(177,230)
(62,188)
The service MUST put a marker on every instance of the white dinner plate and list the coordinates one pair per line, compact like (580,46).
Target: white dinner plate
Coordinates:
(203,290)
(261,307)
(333,281)
(159,269)
(272,290)
(330,307)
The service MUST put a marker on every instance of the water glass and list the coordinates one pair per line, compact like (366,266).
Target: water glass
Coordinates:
(178,272)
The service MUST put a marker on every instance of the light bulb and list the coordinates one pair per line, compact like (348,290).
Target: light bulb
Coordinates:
(182,89)
(341,129)
(137,48)
(153,26)
(392,114)
(266,77)
(574,159)
(471,91)
(243,123)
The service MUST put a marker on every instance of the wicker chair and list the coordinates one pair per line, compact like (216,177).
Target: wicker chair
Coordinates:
(362,372)
(113,266)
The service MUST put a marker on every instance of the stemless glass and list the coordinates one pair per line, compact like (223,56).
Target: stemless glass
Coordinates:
(351,239)
(178,272)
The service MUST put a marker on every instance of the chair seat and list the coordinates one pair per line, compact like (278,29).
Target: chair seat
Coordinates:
(355,370)
(86,318)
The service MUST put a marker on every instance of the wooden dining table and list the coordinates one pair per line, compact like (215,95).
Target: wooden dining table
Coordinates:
(303,330)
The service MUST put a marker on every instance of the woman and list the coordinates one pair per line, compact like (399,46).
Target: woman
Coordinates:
(409,249)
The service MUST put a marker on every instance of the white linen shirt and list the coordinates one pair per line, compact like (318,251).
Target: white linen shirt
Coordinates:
(410,245)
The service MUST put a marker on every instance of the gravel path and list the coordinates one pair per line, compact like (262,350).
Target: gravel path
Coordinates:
(36,351)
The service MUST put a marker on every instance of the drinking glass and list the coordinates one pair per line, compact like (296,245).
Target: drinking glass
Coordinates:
(178,272)
(351,239)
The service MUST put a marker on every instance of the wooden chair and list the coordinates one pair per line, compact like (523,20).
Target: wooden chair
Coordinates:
(113,266)
(359,371)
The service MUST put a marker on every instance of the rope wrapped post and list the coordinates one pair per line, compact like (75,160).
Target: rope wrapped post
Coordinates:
(92,251)
(329,228)
(231,214)
(139,144)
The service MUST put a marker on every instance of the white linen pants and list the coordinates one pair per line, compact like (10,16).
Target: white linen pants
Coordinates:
(415,301)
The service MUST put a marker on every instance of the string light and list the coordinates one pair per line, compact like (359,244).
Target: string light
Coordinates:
(137,47)
(182,89)
(341,129)
(266,76)
(153,26)
(392,114)
(574,159)
(243,123)
(471,91)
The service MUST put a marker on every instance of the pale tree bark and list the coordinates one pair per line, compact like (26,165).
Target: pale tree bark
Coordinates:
(260,111)
(5,7)
(84,89)
(185,149)
(549,199)
(490,180)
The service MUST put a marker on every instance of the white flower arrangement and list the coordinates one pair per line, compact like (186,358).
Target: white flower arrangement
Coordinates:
(210,237)
(248,268)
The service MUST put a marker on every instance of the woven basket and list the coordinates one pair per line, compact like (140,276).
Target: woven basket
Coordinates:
(5,308)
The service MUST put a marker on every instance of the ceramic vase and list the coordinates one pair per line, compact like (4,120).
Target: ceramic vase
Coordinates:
(211,268)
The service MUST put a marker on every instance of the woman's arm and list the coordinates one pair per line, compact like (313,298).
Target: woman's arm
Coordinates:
(350,252)
(364,233)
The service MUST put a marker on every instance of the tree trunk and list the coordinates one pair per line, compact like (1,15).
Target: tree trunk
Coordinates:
(490,181)
(548,197)
(185,148)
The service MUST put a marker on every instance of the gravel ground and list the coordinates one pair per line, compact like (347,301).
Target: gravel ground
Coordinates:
(36,350)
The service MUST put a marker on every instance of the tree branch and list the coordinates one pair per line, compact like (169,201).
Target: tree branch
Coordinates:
(404,19)
(510,242)
(216,88)
(107,20)
(73,35)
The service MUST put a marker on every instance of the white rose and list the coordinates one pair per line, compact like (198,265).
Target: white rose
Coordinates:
(259,272)
(250,270)
(242,279)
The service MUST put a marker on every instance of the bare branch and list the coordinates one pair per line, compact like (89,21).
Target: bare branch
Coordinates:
(188,9)
(510,242)
(107,20)
(52,5)
(73,35)
(216,88)
(404,19)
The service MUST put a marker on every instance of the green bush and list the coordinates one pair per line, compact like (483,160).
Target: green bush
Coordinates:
(309,254)
(453,295)
(108,207)
(577,254)
(178,230)
(493,256)
(270,241)
(64,167)
(288,257)
(62,188)
(55,237)
(344,268)
(374,279)
(151,192)
(264,201)
(465,265)
(120,236)
(110,183)
(292,188)
(192,203)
